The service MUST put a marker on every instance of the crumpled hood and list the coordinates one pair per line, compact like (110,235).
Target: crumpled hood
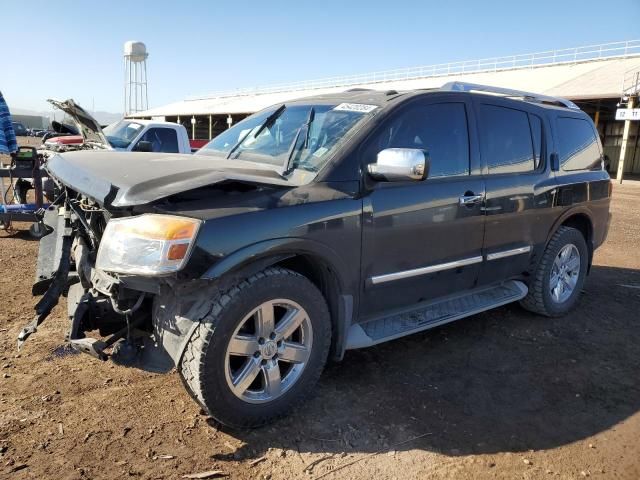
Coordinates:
(122,179)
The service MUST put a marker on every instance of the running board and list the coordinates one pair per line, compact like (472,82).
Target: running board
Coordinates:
(384,329)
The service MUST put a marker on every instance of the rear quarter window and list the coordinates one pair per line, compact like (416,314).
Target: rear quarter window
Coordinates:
(577,145)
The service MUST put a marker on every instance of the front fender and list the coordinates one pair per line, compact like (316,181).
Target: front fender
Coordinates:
(260,255)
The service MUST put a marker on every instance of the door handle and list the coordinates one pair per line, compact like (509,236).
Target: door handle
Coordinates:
(469,199)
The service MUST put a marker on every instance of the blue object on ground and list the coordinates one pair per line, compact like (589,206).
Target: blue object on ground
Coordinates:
(8,142)
(20,208)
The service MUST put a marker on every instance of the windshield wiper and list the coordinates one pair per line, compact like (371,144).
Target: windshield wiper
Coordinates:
(267,123)
(270,119)
(292,148)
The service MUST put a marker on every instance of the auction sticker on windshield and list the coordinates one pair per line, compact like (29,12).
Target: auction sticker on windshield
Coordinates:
(356,107)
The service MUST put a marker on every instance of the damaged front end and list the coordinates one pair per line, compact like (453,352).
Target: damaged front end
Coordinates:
(119,247)
(138,321)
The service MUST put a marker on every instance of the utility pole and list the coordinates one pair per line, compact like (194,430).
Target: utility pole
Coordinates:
(625,141)
(630,90)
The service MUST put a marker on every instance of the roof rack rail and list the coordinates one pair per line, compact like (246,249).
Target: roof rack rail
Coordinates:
(507,92)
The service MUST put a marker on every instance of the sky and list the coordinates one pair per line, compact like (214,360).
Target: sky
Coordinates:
(67,49)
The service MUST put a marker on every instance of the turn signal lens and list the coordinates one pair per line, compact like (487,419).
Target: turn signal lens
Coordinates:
(178,251)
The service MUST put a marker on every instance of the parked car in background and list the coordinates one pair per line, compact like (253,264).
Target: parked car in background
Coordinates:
(325,224)
(38,132)
(19,129)
(125,135)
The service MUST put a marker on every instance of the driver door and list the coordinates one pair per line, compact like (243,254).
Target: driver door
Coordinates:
(419,241)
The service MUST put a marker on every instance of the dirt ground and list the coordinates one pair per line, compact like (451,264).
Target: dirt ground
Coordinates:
(504,394)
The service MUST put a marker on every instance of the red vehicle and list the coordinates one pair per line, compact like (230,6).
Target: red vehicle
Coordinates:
(68,140)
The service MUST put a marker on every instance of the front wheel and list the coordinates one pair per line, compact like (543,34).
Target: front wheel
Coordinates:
(558,280)
(260,350)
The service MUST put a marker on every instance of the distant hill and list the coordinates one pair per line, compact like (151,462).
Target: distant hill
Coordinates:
(104,118)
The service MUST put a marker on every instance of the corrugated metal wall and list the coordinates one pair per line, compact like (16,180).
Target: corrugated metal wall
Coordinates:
(613,144)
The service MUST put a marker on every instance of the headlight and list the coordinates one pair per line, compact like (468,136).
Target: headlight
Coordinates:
(147,244)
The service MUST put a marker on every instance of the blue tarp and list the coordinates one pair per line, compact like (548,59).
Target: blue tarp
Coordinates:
(8,142)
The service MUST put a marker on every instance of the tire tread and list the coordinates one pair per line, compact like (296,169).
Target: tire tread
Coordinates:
(193,360)
(534,301)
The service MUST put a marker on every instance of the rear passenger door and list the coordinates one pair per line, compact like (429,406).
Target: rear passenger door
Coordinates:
(519,189)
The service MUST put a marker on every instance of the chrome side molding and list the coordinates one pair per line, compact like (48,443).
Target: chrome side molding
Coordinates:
(508,253)
(388,277)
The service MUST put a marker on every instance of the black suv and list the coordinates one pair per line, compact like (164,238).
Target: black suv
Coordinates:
(325,224)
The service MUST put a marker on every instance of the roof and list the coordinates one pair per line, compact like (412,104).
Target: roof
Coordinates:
(360,95)
(575,79)
(154,122)
(602,81)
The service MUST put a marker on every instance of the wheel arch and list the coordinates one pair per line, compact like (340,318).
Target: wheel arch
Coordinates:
(314,260)
(581,220)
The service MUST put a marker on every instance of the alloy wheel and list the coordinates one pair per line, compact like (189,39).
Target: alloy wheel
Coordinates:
(268,351)
(565,272)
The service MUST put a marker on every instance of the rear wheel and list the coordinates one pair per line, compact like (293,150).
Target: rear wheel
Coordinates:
(559,278)
(260,350)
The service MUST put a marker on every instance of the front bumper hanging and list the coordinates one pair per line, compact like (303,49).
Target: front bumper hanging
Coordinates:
(93,346)
(50,298)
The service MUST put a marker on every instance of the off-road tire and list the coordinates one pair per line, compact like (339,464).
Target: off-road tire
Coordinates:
(539,300)
(202,365)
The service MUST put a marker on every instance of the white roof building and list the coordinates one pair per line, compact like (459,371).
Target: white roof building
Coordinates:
(593,72)
(591,76)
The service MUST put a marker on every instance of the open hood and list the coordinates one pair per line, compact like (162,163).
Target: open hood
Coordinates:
(88,126)
(125,179)
(60,127)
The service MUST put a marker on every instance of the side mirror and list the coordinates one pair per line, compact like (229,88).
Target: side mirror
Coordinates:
(400,165)
(143,146)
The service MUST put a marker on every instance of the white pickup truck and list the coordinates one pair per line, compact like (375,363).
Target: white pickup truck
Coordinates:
(130,135)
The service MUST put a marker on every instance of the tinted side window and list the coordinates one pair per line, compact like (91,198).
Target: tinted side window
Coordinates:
(506,139)
(440,128)
(577,144)
(162,139)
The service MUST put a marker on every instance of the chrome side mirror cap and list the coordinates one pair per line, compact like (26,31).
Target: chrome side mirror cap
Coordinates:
(400,165)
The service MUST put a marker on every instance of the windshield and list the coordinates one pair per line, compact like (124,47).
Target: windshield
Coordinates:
(294,139)
(122,133)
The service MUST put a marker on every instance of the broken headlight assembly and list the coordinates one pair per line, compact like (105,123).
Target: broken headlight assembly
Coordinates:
(148,244)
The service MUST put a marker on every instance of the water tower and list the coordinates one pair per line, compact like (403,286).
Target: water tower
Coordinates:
(135,77)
